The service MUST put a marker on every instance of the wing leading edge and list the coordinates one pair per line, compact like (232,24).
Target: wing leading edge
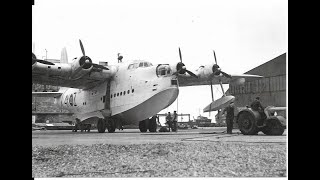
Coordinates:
(73,75)
(190,81)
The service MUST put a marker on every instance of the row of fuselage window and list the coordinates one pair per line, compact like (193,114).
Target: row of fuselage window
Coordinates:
(114,95)
(122,93)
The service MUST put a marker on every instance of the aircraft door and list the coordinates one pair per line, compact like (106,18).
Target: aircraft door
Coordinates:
(106,98)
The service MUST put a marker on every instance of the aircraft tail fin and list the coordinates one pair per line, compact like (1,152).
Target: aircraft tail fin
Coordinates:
(64,55)
(33,47)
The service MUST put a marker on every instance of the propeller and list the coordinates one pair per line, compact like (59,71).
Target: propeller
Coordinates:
(211,96)
(216,70)
(34,60)
(86,62)
(181,68)
(82,48)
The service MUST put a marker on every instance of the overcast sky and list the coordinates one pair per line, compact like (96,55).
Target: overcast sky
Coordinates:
(243,33)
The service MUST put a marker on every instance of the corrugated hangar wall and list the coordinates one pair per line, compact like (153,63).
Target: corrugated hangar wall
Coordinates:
(44,108)
(271,89)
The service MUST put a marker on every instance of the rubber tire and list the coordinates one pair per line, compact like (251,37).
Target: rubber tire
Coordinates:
(273,127)
(152,125)
(111,126)
(163,129)
(143,126)
(101,125)
(247,124)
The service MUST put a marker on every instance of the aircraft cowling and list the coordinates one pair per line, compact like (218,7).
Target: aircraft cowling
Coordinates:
(210,70)
(204,71)
(80,67)
(34,57)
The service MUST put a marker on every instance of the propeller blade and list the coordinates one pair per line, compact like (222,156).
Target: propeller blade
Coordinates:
(225,74)
(99,66)
(82,49)
(211,91)
(44,62)
(211,96)
(191,73)
(214,53)
(34,60)
(180,55)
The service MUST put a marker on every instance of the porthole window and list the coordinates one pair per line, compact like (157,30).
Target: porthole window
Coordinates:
(132,90)
(128,91)
(111,95)
(120,93)
(124,92)
(117,94)
(114,95)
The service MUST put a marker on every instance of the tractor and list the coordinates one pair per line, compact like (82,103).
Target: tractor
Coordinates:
(250,122)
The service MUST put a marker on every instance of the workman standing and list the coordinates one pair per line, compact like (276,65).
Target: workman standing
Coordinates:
(174,120)
(169,121)
(77,125)
(229,117)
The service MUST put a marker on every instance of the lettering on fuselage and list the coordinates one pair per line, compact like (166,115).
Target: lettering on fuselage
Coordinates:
(70,99)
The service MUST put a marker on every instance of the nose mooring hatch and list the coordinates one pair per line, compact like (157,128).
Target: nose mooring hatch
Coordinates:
(174,82)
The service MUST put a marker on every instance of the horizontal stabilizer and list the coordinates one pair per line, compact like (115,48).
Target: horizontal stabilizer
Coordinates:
(219,103)
(46,94)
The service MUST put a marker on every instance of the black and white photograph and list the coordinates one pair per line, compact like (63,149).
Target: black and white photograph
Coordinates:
(159,89)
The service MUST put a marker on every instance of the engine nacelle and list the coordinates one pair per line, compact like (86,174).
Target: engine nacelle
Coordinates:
(204,71)
(34,57)
(81,66)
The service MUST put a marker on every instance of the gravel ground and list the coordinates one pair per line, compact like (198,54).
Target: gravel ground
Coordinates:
(183,159)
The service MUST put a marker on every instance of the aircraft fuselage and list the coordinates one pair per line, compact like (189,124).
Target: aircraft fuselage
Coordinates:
(134,95)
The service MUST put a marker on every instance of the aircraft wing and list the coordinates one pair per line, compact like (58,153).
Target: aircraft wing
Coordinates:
(205,74)
(73,75)
(186,80)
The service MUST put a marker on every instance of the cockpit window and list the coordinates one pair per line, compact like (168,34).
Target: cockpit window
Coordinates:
(139,65)
(130,66)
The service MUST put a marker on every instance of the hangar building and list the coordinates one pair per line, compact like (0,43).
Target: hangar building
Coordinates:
(44,109)
(271,89)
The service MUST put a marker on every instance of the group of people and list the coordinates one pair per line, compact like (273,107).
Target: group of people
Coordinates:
(171,121)
(230,109)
